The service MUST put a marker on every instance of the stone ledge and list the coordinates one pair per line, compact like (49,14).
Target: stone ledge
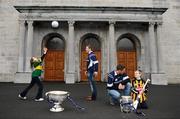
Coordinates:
(22,77)
(159,79)
(70,78)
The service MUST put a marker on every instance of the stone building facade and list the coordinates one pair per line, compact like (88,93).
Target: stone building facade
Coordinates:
(141,34)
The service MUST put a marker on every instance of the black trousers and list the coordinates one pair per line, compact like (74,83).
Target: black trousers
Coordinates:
(35,80)
(143,105)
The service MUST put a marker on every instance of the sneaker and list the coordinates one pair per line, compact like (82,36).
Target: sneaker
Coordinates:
(111,102)
(23,98)
(40,99)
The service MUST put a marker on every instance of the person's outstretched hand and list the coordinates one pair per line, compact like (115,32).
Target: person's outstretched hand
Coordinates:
(45,50)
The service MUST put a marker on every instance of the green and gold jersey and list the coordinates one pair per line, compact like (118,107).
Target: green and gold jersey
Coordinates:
(38,69)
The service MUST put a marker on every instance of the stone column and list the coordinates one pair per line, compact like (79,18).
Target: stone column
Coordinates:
(112,46)
(159,77)
(70,77)
(21,59)
(153,48)
(159,36)
(29,45)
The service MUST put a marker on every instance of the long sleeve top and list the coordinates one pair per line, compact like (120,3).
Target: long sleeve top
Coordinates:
(92,62)
(37,67)
(114,80)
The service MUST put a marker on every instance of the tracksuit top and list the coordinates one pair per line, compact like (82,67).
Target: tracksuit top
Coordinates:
(37,67)
(92,62)
(114,80)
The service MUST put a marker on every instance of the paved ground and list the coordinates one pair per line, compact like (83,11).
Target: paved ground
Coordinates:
(163,103)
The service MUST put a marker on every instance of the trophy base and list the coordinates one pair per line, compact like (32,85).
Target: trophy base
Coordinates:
(56,108)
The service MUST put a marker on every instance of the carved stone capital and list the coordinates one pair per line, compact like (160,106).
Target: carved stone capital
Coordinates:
(152,23)
(159,23)
(22,22)
(112,22)
(71,22)
(30,22)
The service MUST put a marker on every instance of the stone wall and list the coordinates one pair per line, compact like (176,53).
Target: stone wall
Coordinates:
(123,3)
(171,41)
(8,41)
(9,27)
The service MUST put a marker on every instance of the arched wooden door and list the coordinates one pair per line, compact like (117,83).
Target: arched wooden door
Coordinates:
(95,44)
(126,55)
(54,60)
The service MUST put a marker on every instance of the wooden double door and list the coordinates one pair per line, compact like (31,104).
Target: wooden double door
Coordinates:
(128,59)
(54,66)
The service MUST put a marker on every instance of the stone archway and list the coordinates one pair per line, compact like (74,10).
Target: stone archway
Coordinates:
(54,60)
(128,52)
(94,41)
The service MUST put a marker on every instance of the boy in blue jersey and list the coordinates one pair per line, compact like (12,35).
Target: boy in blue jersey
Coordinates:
(118,83)
(92,71)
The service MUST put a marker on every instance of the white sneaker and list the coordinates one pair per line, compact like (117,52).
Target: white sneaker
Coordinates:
(23,98)
(40,99)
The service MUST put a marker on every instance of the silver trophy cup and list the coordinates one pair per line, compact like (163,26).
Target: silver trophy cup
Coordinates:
(57,97)
(126,104)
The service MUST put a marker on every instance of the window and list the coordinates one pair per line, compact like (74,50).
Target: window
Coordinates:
(125,45)
(93,41)
(55,43)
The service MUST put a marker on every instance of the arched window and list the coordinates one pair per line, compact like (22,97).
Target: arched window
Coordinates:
(125,45)
(55,43)
(93,41)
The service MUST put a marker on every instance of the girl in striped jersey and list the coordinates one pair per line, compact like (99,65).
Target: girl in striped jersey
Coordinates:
(137,86)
